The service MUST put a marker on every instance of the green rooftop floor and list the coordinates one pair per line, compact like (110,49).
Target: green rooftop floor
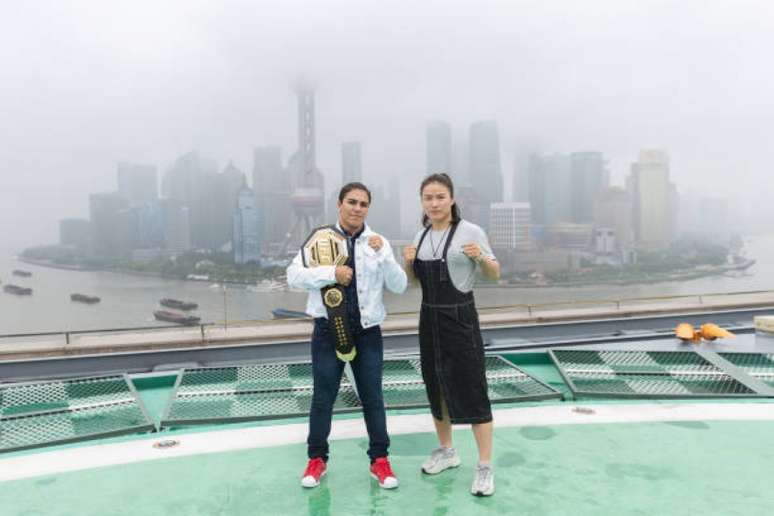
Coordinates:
(644,468)
(597,469)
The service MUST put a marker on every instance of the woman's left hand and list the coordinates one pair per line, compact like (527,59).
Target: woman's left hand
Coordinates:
(472,251)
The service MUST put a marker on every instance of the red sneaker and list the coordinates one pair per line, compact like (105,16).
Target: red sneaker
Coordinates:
(315,469)
(382,472)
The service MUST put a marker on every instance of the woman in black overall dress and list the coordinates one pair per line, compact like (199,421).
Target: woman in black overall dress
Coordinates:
(451,347)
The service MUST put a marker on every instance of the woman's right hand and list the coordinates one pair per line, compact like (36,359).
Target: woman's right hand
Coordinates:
(409,254)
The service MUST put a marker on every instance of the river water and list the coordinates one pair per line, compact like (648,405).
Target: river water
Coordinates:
(129,300)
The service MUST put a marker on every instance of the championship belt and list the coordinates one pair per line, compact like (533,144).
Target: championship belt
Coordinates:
(327,246)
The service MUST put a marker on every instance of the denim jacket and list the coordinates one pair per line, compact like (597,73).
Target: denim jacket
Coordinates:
(374,270)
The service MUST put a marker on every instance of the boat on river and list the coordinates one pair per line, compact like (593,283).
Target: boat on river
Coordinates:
(84,298)
(17,290)
(178,304)
(177,318)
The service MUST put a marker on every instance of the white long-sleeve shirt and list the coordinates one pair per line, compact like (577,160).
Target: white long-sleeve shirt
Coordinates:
(374,270)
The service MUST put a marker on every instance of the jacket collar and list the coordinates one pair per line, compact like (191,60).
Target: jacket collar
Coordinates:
(364,233)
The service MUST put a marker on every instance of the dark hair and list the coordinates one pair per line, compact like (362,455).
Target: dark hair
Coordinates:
(443,180)
(353,186)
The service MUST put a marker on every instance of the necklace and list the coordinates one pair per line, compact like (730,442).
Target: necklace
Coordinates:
(437,248)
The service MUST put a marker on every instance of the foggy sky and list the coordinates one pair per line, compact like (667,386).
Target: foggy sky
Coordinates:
(84,85)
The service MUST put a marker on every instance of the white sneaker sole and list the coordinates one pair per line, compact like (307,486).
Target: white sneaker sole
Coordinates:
(309,481)
(488,492)
(453,463)
(387,484)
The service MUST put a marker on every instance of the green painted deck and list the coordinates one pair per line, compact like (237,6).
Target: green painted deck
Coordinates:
(652,468)
(665,468)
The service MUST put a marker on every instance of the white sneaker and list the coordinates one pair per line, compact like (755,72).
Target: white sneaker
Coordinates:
(483,481)
(441,459)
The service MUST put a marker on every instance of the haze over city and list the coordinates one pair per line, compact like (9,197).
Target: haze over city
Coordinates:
(85,85)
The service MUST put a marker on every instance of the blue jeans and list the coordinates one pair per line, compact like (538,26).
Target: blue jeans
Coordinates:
(327,371)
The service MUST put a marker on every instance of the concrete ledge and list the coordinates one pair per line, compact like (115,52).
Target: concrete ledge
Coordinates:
(274,332)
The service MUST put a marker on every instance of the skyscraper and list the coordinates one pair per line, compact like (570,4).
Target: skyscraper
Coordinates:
(521,178)
(177,227)
(614,210)
(485,171)
(137,183)
(653,200)
(189,182)
(351,162)
(107,217)
(438,148)
(182,181)
(218,196)
(549,189)
(272,187)
(150,222)
(588,179)
(247,235)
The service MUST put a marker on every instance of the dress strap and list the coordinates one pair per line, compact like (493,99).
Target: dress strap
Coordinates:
(422,238)
(449,239)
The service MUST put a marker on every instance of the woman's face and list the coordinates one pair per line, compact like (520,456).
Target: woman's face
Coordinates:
(437,202)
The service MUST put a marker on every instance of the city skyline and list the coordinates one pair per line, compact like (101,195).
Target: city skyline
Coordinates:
(558,79)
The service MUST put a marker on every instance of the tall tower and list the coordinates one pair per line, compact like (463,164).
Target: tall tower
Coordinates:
(306,128)
(308,182)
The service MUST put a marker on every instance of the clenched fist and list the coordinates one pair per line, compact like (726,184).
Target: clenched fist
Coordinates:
(409,253)
(376,242)
(343,275)
(473,251)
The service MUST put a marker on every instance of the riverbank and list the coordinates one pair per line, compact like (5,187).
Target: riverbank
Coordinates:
(129,271)
(644,279)
(647,279)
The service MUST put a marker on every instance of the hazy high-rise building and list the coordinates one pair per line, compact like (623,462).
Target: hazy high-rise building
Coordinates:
(653,200)
(272,188)
(351,163)
(150,225)
(138,183)
(105,215)
(485,171)
(438,148)
(509,227)
(521,179)
(75,232)
(247,233)
(177,227)
(549,189)
(588,178)
(182,181)
(189,182)
(614,210)
(467,200)
(218,201)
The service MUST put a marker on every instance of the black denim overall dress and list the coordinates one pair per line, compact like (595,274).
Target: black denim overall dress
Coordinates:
(450,343)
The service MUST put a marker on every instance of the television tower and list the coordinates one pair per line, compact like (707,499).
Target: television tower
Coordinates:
(307,199)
